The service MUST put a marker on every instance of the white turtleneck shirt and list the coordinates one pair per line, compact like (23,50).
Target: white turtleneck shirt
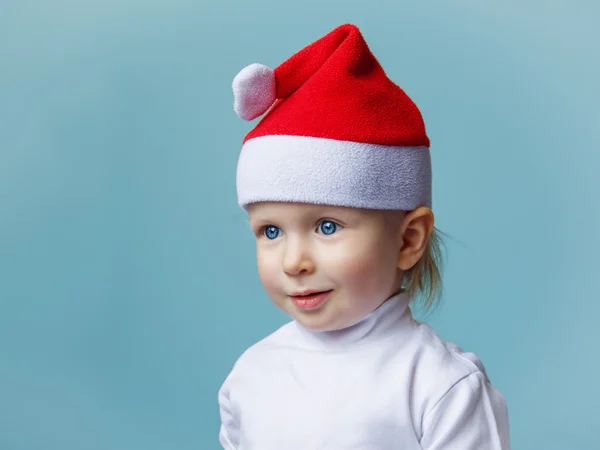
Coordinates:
(387,382)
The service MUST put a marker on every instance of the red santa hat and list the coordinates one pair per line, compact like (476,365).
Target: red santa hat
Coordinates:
(338,131)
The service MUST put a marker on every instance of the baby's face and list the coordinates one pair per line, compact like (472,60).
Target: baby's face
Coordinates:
(350,253)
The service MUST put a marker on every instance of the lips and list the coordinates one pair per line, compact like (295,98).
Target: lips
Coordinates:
(306,293)
(310,300)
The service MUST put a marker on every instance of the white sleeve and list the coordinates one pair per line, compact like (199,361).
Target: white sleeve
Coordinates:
(472,415)
(229,431)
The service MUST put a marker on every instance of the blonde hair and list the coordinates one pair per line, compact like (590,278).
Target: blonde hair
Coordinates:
(423,282)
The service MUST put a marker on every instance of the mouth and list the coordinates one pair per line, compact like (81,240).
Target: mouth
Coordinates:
(306,293)
(310,300)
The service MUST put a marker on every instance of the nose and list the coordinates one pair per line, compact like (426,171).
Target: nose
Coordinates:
(297,259)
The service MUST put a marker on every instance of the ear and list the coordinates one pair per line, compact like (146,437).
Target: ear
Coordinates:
(416,228)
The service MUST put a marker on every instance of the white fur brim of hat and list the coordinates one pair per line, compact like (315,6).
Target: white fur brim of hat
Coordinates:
(279,168)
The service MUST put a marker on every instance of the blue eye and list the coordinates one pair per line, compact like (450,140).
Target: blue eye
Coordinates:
(328,227)
(271,232)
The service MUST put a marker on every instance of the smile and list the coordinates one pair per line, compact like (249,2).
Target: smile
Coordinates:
(309,300)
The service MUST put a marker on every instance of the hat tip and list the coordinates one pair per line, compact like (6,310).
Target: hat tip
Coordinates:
(254,91)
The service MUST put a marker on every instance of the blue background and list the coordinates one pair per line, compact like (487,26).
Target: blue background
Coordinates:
(127,275)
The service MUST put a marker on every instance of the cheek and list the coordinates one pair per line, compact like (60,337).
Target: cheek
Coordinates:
(267,269)
(364,264)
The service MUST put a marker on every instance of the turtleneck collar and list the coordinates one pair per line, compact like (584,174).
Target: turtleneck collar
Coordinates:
(391,317)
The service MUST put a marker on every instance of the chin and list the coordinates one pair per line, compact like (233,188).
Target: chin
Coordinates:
(317,323)
(316,326)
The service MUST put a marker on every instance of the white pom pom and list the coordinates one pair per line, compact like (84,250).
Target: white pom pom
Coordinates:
(254,91)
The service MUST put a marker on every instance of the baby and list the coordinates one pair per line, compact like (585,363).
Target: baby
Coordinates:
(336,180)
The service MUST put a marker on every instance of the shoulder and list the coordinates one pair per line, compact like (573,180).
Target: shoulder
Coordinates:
(275,341)
(440,365)
(260,353)
(459,406)
(447,355)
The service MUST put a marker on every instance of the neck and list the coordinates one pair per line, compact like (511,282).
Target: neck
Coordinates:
(389,318)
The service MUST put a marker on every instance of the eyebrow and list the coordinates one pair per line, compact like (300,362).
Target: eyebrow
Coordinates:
(258,217)
(260,221)
(325,211)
